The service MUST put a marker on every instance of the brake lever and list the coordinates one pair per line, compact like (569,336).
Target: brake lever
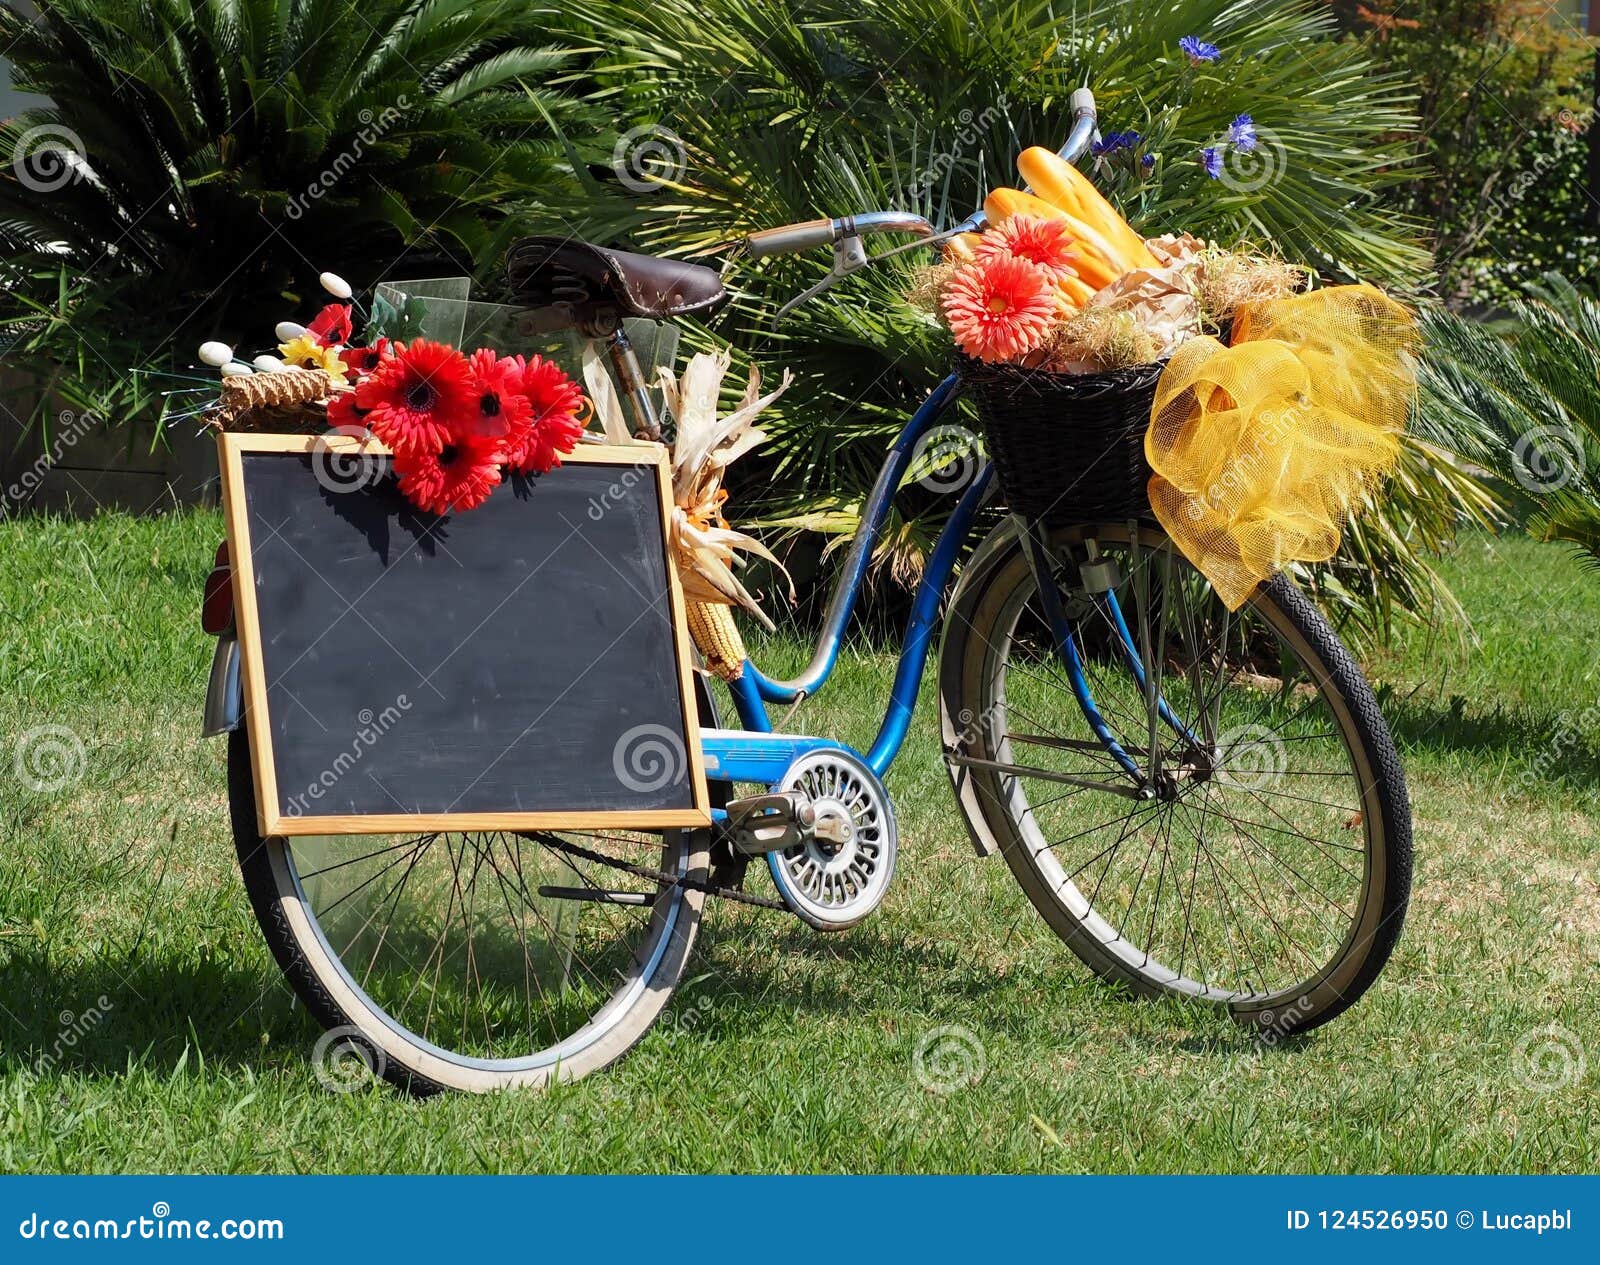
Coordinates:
(849,256)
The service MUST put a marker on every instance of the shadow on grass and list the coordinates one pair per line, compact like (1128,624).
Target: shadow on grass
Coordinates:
(93,1016)
(1551,747)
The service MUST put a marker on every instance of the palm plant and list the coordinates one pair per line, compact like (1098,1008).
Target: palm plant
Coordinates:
(784,110)
(198,162)
(1523,398)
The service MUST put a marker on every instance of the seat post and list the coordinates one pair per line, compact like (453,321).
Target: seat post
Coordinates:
(648,426)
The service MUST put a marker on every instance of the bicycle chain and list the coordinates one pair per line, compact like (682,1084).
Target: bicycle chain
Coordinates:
(660,876)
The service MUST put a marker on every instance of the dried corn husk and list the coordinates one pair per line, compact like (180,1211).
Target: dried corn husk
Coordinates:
(603,392)
(705,546)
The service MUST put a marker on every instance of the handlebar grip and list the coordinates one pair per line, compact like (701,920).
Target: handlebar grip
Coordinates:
(1084,126)
(789,239)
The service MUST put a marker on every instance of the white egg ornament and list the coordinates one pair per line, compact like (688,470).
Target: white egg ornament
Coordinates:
(288,331)
(216,354)
(269,364)
(335,285)
(237,370)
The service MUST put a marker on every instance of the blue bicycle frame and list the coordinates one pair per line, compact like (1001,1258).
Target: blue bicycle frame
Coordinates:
(757,755)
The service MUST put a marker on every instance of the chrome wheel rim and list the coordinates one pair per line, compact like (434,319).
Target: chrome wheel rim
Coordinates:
(520,987)
(1233,820)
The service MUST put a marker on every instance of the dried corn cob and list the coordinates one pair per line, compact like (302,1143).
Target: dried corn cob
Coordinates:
(712,627)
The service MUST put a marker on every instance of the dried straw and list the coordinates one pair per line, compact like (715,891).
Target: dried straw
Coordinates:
(1226,280)
(927,288)
(1099,339)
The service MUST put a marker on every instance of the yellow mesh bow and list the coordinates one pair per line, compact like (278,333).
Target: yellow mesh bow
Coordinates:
(1262,449)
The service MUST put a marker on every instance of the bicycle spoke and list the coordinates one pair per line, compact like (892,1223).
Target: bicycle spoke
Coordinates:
(449,935)
(1224,878)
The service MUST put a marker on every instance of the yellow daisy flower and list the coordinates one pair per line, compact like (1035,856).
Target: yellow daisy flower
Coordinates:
(305,353)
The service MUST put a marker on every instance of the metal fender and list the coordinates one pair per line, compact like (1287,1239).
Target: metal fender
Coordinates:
(954,723)
(224,691)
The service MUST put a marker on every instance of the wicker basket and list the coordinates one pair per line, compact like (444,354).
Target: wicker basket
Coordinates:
(1068,448)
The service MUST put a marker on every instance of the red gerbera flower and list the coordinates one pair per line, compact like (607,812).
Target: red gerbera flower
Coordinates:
(1000,308)
(553,427)
(360,361)
(332,325)
(1039,241)
(458,477)
(418,396)
(344,412)
(502,408)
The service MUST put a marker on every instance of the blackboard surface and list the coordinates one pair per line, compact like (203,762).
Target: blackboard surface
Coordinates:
(520,658)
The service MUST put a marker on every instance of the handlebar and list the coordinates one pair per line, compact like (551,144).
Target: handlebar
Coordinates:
(792,239)
(1085,121)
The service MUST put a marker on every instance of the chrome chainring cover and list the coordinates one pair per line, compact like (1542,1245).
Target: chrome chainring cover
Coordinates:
(839,873)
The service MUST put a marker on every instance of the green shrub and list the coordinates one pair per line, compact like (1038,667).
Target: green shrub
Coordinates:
(1502,94)
(199,164)
(1522,398)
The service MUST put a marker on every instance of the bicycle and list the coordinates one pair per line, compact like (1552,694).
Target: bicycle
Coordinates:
(1126,744)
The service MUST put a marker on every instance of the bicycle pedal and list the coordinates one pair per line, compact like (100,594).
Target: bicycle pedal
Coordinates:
(769,823)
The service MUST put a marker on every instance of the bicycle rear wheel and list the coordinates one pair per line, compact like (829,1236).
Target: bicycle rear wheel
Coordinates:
(469,961)
(1258,855)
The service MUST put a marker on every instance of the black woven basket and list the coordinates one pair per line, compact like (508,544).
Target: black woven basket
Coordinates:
(1068,448)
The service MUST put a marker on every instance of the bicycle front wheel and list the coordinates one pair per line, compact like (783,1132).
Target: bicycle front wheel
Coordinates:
(472,961)
(1233,824)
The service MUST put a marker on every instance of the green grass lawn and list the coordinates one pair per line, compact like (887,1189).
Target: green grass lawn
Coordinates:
(144,1027)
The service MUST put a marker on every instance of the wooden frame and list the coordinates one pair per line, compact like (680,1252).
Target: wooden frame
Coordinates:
(231,448)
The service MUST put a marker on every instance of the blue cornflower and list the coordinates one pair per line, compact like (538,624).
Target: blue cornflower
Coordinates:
(1242,134)
(1148,162)
(1211,160)
(1113,141)
(1198,50)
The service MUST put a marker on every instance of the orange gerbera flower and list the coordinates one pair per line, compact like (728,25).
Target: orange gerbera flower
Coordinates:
(1039,241)
(999,308)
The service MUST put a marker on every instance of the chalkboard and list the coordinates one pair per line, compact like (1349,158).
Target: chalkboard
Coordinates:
(521,665)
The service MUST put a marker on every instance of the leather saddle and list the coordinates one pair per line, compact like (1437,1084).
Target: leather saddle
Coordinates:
(594,287)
